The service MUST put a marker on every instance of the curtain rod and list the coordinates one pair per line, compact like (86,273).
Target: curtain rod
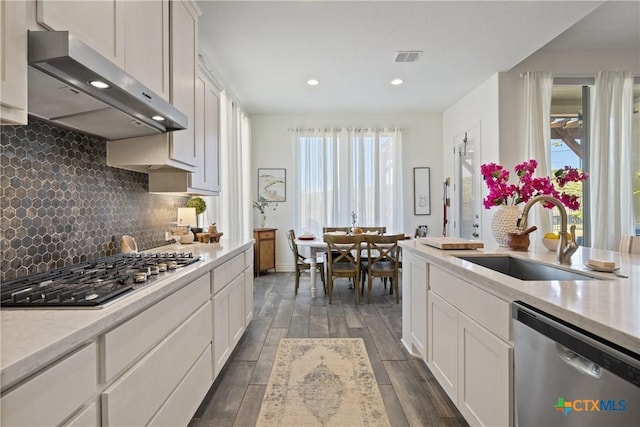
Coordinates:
(348,129)
(582,81)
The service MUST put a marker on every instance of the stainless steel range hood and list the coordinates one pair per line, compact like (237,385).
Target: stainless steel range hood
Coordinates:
(60,71)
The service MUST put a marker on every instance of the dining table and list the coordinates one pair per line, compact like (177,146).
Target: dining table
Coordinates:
(316,246)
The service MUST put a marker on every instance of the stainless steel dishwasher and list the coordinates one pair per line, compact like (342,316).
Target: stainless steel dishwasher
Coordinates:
(565,376)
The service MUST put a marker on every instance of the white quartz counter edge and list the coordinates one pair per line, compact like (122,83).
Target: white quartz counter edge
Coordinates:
(33,338)
(608,308)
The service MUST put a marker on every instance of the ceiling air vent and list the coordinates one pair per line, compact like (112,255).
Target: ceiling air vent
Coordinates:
(407,55)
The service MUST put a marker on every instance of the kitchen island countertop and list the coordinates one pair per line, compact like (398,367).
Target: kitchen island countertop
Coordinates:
(608,308)
(32,338)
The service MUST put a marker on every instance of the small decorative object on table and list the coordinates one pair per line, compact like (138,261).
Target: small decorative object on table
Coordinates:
(200,206)
(262,206)
(551,241)
(519,240)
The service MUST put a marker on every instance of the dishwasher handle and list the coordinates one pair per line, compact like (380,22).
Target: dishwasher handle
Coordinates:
(578,362)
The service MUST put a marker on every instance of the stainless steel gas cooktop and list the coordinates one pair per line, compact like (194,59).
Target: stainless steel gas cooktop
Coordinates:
(93,283)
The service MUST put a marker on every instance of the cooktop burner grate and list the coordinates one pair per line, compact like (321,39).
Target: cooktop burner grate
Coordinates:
(91,283)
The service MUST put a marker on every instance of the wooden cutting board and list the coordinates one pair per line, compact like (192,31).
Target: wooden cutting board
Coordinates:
(450,243)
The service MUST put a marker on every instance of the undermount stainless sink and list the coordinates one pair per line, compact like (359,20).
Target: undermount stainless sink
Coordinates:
(523,269)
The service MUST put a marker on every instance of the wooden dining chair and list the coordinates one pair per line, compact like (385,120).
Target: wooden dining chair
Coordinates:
(303,263)
(383,260)
(343,254)
(630,244)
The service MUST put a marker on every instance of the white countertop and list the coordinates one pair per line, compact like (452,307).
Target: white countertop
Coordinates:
(608,308)
(33,338)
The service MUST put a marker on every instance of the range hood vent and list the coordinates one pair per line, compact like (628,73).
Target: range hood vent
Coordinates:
(60,71)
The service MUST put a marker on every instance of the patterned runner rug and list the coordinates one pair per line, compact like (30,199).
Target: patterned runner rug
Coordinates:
(322,382)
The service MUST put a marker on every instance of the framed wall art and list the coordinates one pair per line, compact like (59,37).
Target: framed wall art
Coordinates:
(421,191)
(272,185)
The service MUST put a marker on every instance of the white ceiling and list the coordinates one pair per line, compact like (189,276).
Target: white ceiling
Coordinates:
(265,51)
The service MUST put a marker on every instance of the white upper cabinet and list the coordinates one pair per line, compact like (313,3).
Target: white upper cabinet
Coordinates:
(184,54)
(99,24)
(205,179)
(175,150)
(146,31)
(13,63)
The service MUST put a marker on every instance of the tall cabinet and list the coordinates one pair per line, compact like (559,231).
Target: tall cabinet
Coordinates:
(264,250)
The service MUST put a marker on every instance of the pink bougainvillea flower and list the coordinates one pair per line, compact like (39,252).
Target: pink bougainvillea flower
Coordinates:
(496,178)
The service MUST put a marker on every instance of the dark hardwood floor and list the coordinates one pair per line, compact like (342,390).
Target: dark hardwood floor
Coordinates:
(410,393)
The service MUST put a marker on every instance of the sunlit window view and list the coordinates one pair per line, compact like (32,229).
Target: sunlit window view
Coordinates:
(635,156)
(567,127)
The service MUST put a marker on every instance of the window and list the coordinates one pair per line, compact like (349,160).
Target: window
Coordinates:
(570,106)
(635,156)
(568,148)
(345,171)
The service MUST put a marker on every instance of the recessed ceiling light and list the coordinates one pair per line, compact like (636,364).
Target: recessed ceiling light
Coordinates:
(313,82)
(99,84)
(158,118)
(397,82)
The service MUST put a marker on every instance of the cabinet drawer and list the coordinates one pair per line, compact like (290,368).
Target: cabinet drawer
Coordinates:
(266,235)
(182,404)
(223,275)
(87,417)
(126,343)
(54,394)
(137,396)
(486,309)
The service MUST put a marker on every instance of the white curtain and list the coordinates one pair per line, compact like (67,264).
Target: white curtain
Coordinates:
(318,201)
(376,178)
(235,157)
(538,87)
(610,156)
(345,171)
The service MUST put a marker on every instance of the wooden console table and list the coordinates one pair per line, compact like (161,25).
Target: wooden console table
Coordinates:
(264,250)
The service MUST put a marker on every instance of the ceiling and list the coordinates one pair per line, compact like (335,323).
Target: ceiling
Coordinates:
(265,51)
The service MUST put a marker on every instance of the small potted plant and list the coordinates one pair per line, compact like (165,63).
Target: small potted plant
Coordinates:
(200,205)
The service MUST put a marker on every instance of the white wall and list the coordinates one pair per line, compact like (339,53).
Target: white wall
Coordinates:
(479,107)
(272,147)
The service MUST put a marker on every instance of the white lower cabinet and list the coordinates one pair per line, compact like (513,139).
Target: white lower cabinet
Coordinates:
(87,417)
(484,363)
(414,303)
(232,289)
(182,404)
(54,394)
(471,361)
(221,333)
(141,392)
(248,295)
(443,344)
(228,321)
(128,342)
(152,369)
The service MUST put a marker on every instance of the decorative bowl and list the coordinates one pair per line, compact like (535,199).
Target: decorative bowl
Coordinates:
(551,244)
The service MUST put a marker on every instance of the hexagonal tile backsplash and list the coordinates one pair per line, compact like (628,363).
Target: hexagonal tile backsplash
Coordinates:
(61,204)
